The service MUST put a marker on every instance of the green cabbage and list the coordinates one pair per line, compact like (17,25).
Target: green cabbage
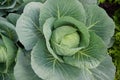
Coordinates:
(68,40)
(8,49)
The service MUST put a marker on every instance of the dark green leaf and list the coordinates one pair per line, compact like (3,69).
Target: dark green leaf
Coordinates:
(7,29)
(7,4)
(12,17)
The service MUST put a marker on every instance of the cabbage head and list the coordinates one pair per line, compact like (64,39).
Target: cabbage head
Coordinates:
(68,40)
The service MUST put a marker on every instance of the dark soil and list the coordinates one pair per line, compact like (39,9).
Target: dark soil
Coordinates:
(110,7)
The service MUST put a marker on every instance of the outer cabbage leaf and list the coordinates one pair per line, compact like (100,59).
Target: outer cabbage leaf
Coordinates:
(99,22)
(106,70)
(27,26)
(88,2)
(23,70)
(61,8)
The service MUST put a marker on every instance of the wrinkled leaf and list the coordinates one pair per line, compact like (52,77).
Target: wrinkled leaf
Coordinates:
(27,26)
(61,8)
(99,22)
(106,70)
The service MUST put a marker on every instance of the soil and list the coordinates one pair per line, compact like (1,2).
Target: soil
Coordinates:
(110,7)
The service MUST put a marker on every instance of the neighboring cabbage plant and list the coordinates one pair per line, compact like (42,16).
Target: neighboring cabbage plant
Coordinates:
(8,49)
(8,6)
(16,6)
(66,40)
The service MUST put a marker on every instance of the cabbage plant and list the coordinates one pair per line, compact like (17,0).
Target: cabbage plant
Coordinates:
(7,58)
(8,49)
(14,6)
(66,40)
(7,4)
